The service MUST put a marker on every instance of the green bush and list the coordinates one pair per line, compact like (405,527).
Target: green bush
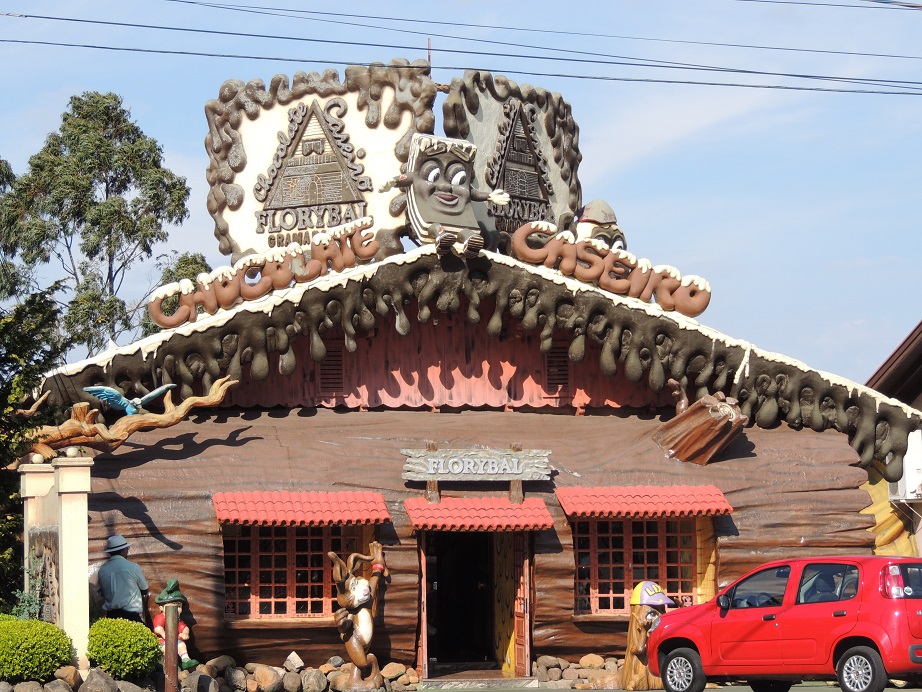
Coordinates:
(123,648)
(7,617)
(32,650)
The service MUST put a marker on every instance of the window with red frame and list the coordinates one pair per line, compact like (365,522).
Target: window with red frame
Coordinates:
(283,571)
(613,556)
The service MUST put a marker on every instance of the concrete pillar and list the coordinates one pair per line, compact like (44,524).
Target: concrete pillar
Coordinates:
(72,481)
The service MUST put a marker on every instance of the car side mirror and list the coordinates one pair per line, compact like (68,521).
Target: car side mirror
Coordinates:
(723,601)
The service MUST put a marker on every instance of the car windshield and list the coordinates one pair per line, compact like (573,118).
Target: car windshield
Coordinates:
(912,580)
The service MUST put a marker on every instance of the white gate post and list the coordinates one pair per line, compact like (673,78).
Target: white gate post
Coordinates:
(72,478)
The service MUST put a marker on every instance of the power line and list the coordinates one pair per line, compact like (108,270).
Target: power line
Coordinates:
(463,68)
(626,62)
(559,32)
(903,5)
(827,4)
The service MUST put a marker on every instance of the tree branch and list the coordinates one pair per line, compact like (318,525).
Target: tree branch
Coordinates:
(82,430)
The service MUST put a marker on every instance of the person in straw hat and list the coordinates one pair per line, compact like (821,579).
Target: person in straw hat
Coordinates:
(122,584)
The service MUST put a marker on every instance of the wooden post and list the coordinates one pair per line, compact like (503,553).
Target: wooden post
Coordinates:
(170,654)
(516,492)
(432,486)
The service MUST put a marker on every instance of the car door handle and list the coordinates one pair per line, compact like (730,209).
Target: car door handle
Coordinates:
(839,613)
(768,617)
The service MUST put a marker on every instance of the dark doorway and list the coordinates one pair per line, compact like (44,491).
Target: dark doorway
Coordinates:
(459,595)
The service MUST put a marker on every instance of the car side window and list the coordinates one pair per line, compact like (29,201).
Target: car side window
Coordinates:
(762,589)
(824,582)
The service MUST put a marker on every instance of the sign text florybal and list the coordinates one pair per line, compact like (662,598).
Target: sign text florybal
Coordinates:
(476,465)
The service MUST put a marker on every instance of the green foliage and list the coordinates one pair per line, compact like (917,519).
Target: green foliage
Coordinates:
(94,201)
(175,267)
(29,602)
(125,649)
(29,346)
(32,650)
(6,617)
(28,607)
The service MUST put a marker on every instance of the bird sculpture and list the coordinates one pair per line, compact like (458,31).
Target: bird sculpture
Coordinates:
(116,399)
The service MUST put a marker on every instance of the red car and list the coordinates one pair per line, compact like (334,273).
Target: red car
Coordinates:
(854,619)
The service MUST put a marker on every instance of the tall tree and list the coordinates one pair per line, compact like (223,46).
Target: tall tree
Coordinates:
(29,347)
(94,201)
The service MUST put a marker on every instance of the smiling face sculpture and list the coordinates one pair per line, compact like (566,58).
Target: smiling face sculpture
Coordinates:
(439,196)
(442,185)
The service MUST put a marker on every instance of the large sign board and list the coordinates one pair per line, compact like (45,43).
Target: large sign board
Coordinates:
(291,160)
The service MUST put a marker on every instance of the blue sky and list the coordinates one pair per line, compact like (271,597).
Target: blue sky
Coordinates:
(802,208)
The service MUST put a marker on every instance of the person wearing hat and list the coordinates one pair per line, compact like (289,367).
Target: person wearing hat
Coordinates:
(648,601)
(172,594)
(122,584)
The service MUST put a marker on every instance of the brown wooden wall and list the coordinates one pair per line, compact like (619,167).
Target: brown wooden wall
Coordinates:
(793,492)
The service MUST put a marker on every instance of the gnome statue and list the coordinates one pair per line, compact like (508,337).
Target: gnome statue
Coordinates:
(172,594)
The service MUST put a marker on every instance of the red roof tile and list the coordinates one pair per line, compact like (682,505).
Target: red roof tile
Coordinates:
(478,514)
(643,501)
(300,508)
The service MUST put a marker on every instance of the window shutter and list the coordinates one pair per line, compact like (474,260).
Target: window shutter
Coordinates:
(330,369)
(557,368)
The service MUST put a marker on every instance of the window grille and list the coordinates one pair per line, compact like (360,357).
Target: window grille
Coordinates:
(330,369)
(557,368)
(283,571)
(613,556)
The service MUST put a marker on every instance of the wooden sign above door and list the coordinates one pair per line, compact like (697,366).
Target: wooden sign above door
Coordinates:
(476,465)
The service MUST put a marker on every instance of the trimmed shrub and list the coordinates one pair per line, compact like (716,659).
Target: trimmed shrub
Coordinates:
(7,617)
(32,650)
(123,648)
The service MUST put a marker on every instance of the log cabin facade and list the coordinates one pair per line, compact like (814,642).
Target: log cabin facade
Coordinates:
(487,416)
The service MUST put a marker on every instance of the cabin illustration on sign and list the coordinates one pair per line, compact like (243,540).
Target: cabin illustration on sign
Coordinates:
(493,418)
(519,168)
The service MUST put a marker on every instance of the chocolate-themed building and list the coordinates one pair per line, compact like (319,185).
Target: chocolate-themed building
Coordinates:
(439,344)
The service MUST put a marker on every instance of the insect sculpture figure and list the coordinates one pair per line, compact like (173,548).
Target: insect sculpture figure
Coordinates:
(357,598)
(438,185)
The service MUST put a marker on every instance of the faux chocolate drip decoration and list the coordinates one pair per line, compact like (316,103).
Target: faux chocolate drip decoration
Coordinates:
(702,430)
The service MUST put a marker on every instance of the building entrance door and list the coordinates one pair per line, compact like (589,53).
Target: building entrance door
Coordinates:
(459,590)
(474,611)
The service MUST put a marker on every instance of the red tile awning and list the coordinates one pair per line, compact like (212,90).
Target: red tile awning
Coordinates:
(300,508)
(478,514)
(643,501)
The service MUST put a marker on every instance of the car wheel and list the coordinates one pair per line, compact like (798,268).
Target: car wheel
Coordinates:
(682,671)
(770,685)
(861,670)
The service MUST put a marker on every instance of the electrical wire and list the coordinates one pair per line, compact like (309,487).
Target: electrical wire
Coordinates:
(903,5)
(558,32)
(826,4)
(621,63)
(530,73)
(595,55)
